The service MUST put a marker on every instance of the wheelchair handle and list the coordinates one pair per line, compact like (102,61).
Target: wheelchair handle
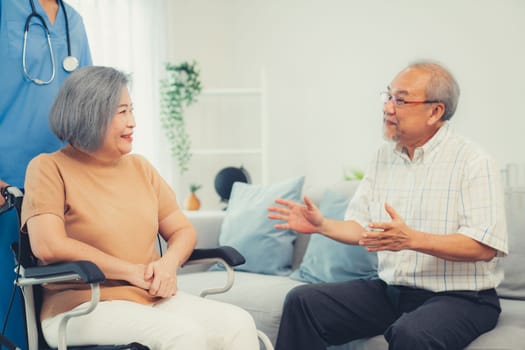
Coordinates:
(12,196)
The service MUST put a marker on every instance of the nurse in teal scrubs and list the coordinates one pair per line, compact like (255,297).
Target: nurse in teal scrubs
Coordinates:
(28,85)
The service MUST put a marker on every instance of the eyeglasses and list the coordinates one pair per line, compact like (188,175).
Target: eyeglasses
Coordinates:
(398,101)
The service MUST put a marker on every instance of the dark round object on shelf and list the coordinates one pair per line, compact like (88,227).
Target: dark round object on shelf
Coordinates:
(225,179)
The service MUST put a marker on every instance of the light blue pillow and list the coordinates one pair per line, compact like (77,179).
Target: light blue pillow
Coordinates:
(326,260)
(247,228)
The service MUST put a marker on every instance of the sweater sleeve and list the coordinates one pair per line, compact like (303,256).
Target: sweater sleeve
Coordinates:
(44,189)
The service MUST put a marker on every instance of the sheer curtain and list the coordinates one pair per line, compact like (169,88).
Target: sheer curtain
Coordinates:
(130,35)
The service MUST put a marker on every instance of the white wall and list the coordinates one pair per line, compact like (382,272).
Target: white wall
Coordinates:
(327,60)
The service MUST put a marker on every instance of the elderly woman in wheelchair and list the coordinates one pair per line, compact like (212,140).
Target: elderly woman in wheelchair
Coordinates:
(93,200)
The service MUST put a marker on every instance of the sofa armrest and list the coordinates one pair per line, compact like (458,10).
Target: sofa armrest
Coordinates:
(208,224)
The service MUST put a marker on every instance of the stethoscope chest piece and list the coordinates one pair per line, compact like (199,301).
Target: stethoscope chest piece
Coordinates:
(70,63)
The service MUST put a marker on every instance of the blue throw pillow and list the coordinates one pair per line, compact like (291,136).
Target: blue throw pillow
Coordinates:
(247,228)
(326,260)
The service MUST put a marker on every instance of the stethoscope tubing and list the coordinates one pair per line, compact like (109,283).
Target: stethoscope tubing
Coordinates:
(35,14)
(48,37)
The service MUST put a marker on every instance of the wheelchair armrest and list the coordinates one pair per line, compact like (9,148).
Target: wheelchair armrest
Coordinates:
(74,270)
(86,271)
(229,254)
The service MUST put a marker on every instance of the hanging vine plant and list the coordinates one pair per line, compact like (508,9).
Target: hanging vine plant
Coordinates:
(179,90)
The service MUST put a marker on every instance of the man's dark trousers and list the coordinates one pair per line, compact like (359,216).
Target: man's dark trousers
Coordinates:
(318,315)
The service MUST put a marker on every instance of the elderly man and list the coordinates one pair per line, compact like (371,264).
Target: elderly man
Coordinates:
(431,205)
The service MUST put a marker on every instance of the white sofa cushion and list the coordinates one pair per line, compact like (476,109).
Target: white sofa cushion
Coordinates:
(261,295)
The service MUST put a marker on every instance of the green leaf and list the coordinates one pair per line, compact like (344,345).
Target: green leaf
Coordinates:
(355,174)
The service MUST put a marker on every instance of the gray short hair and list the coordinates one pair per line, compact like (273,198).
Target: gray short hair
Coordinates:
(85,105)
(442,86)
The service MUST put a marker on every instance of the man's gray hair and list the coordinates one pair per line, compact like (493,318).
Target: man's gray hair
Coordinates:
(85,105)
(441,87)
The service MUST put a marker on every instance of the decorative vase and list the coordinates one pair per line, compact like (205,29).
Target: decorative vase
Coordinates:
(192,202)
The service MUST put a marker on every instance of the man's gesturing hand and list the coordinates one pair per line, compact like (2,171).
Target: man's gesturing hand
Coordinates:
(394,235)
(298,217)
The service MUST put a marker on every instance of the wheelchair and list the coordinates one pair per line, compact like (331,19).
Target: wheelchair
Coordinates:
(30,278)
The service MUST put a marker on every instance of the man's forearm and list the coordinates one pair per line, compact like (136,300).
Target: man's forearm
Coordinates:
(454,247)
(349,232)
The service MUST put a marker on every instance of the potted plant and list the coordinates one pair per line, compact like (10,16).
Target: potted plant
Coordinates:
(179,89)
(355,175)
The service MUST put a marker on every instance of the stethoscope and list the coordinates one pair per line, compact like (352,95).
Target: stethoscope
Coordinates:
(70,63)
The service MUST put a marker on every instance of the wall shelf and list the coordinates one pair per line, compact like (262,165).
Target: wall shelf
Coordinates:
(215,151)
(231,92)
(228,127)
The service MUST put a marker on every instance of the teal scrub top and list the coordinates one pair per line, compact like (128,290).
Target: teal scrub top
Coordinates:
(25,106)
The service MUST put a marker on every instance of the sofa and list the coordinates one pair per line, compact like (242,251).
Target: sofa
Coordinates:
(262,292)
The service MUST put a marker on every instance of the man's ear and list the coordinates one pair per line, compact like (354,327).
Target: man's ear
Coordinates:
(438,109)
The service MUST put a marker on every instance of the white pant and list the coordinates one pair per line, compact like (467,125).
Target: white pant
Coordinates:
(183,321)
